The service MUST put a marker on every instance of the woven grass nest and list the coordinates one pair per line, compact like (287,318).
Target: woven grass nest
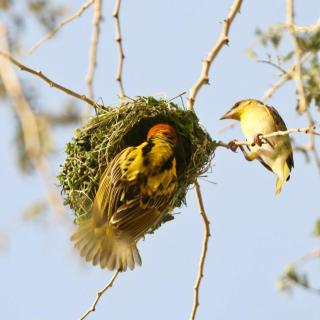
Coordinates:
(113,129)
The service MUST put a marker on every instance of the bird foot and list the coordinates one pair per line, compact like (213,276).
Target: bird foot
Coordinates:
(232,145)
(258,140)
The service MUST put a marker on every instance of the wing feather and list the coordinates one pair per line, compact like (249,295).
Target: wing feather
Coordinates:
(281,126)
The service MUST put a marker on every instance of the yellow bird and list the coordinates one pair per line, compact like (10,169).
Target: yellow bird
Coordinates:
(257,119)
(134,193)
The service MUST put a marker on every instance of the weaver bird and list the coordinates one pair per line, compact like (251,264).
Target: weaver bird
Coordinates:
(134,193)
(257,119)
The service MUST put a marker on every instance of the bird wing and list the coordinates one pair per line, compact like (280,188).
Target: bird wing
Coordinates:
(122,198)
(281,126)
(109,191)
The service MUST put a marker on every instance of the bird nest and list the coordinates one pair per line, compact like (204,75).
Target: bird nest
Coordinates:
(113,129)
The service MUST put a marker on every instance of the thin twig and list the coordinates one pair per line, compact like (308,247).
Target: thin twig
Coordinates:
(204,250)
(284,78)
(49,81)
(292,277)
(223,40)
(307,257)
(204,79)
(227,128)
(99,295)
(29,125)
(302,102)
(50,34)
(312,142)
(271,63)
(93,48)
(118,39)
(264,137)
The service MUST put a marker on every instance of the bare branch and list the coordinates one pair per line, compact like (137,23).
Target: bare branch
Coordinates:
(277,66)
(29,124)
(50,34)
(94,45)
(302,103)
(49,81)
(118,39)
(226,128)
(204,79)
(264,137)
(206,64)
(312,143)
(204,250)
(308,28)
(284,78)
(99,294)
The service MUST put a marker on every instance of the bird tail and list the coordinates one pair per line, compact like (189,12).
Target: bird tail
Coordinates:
(282,177)
(102,246)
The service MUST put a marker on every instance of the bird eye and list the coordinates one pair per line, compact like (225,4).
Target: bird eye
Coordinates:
(236,105)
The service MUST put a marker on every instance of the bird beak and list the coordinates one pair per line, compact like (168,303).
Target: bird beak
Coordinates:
(228,115)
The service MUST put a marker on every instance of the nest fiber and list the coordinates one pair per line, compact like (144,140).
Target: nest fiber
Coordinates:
(111,130)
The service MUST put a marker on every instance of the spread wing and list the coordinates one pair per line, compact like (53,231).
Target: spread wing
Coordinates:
(124,200)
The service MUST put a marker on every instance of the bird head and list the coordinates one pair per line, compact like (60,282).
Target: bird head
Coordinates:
(237,110)
(164,131)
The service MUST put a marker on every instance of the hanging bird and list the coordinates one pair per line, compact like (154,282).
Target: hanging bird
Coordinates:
(134,193)
(257,119)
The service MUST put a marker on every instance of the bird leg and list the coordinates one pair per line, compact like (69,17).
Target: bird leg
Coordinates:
(249,157)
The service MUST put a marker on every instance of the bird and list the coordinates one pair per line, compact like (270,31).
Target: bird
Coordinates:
(274,153)
(135,192)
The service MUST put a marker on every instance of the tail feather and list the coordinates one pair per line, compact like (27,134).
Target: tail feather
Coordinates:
(282,176)
(92,253)
(96,258)
(102,246)
(279,185)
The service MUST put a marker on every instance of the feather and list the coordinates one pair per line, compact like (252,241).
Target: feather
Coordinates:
(134,193)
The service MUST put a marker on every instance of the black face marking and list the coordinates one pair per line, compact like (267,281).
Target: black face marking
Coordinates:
(167,165)
(147,148)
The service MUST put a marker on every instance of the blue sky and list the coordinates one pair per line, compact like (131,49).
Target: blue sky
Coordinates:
(254,233)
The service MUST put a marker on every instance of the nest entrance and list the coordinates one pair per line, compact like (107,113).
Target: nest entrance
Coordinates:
(112,130)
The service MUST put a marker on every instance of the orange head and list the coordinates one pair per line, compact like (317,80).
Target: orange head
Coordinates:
(162,129)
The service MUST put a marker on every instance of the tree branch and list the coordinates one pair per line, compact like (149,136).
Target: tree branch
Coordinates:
(94,45)
(50,34)
(99,295)
(204,250)
(284,78)
(118,39)
(312,143)
(49,81)
(204,79)
(264,137)
(206,64)
(302,102)
(29,125)
(308,28)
